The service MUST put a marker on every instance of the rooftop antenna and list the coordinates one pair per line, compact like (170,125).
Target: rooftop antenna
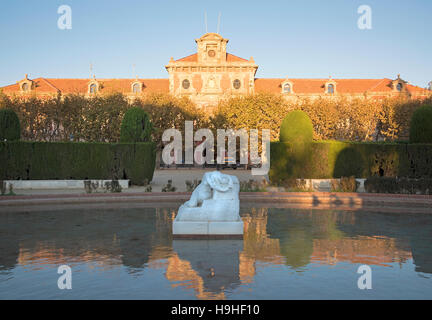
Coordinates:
(91,69)
(205,21)
(218,25)
(133,71)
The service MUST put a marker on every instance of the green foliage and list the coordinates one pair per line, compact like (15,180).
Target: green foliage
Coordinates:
(294,185)
(11,192)
(98,119)
(333,159)
(169,187)
(343,118)
(296,128)
(421,125)
(253,186)
(398,185)
(77,160)
(136,126)
(191,185)
(10,129)
(2,187)
(74,117)
(166,111)
(258,111)
(345,184)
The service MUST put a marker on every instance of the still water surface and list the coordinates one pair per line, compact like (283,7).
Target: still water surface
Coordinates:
(285,254)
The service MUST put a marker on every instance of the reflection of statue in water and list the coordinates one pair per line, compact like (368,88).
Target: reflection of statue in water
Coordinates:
(213,208)
(216,263)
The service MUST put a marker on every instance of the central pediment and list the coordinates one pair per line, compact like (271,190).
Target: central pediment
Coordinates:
(211,36)
(211,51)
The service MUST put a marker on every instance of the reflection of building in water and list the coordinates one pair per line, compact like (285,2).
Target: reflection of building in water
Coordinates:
(306,236)
(48,255)
(363,250)
(142,238)
(257,245)
(106,238)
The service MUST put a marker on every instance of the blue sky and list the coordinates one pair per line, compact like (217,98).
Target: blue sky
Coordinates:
(296,39)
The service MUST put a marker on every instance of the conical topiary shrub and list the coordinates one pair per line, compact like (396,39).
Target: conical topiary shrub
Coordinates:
(10,128)
(136,126)
(296,128)
(421,125)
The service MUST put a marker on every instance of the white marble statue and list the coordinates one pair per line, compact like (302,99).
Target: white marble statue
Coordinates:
(214,205)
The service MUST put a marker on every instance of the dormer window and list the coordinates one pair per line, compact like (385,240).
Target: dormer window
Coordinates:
(399,87)
(137,87)
(26,84)
(398,84)
(330,86)
(287,87)
(93,88)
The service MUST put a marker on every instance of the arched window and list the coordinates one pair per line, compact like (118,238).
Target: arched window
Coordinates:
(93,88)
(399,87)
(185,84)
(236,84)
(136,88)
(25,86)
(330,88)
(287,88)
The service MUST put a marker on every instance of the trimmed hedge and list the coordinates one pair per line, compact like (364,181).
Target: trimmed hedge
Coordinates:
(421,125)
(136,126)
(333,159)
(398,185)
(10,129)
(23,160)
(296,127)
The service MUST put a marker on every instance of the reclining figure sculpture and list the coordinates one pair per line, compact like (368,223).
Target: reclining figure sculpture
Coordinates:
(213,208)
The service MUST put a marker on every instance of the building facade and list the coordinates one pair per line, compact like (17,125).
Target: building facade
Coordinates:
(212,74)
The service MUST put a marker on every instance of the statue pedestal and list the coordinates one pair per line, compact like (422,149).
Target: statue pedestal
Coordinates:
(208,229)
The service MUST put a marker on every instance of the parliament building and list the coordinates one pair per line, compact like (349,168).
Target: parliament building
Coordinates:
(212,74)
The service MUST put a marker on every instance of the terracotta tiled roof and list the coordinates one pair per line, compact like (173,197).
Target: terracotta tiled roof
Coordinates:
(233,58)
(194,58)
(10,88)
(124,85)
(412,88)
(190,58)
(300,86)
(65,86)
(347,86)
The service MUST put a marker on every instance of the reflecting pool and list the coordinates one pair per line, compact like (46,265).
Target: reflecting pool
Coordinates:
(129,253)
